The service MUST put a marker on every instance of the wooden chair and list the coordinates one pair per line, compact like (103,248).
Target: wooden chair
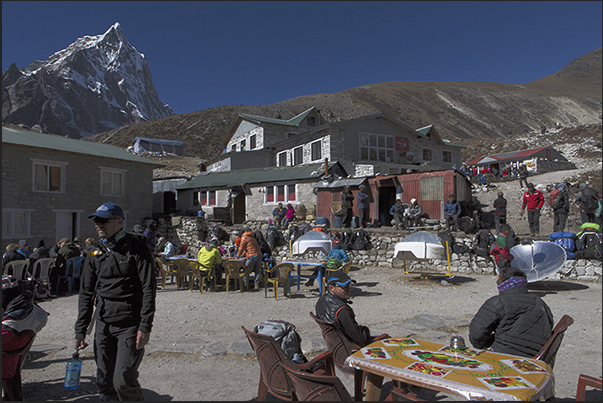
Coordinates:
(342,348)
(12,386)
(313,387)
(235,270)
(272,359)
(166,268)
(583,382)
(548,352)
(400,392)
(73,268)
(345,268)
(182,272)
(17,269)
(201,273)
(282,271)
(41,270)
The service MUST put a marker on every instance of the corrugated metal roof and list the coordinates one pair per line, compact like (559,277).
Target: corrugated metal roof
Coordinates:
(341,183)
(294,121)
(506,156)
(251,176)
(160,141)
(28,138)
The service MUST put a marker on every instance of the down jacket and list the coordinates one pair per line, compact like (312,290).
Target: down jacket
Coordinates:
(513,322)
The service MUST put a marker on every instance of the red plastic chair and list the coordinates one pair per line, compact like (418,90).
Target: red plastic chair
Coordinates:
(272,360)
(583,382)
(313,387)
(12,386)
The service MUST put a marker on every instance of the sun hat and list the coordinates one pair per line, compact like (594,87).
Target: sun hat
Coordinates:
(108,210)
(339,278)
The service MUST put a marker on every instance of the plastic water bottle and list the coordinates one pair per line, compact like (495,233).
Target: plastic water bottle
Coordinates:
(74,369)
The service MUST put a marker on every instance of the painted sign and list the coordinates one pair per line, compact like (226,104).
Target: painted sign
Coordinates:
(402,143)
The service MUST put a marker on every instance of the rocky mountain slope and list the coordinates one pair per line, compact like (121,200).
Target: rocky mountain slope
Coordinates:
(463,112)
(96,84)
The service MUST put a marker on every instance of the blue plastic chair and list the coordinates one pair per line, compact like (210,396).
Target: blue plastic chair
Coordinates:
(73,270)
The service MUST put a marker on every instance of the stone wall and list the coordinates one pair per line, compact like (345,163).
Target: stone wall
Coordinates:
(193,230)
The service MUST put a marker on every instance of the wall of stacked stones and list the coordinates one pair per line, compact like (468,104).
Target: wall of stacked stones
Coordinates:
(193,231)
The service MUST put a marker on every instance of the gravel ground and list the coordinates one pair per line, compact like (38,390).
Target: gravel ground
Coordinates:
(198,350)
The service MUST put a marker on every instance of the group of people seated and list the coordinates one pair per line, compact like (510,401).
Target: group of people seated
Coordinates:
(406,215)
(63,250)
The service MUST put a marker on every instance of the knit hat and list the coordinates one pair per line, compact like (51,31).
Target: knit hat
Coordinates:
(63,240)
(561,186)
(412,201)
(582,186)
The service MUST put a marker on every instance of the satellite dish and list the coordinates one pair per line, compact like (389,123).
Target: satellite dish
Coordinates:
(538,260)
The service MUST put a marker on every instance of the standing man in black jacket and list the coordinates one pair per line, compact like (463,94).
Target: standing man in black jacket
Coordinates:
(121,283)
(347,204)
(513,322)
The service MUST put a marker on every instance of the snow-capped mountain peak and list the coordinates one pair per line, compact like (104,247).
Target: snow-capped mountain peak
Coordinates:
(97,83)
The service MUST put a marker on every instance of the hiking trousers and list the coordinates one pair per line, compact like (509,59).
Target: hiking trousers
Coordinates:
(534,221)
(117,361)
(559,221)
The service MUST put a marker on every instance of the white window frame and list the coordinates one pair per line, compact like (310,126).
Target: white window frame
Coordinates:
(282,155)
(113,171)
(291,188)
(204,194)
(9,223)
(299,150)
(48,164)
(312,150)
(377,147)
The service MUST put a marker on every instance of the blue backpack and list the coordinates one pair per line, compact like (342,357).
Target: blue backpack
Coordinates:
(567,240)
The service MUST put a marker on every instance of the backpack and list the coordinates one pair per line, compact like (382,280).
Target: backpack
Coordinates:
(293,232)
(333,263)
(567,240)
(467,225)
(272,237)
(264,246)
(589,245)
(360,240)
(304,228)
(446,236)
(553,196)
(482,242)
(488,220)
(590,200)
(286,336)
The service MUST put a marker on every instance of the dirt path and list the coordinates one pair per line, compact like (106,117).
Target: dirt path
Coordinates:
(198,350)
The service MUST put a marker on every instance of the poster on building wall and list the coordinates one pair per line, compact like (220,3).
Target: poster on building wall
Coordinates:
(532,164)
(402,143)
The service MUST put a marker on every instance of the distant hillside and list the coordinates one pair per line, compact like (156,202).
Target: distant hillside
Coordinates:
(462,111)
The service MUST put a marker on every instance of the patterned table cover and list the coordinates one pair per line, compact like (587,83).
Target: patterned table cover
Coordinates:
(473,374)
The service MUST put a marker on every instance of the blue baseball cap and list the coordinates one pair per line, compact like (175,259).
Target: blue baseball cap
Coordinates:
(108,210)
(339,278)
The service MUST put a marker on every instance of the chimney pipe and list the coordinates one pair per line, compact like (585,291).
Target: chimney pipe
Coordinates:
(326,166)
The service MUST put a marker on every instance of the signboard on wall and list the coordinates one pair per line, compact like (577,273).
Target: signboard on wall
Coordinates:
(531,164)
(402,143)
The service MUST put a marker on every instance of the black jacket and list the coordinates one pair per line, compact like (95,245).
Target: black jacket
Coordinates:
(331,308)
(513,322)
(123,281)
(500,206)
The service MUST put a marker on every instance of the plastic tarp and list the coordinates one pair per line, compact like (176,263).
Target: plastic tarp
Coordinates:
(312,241)
(538,260)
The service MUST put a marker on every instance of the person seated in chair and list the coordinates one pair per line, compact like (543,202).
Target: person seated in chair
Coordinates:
(336,257)
(513,322)
(334,306)
(209,256)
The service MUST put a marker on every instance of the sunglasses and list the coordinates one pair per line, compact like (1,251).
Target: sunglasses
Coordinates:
(101,221)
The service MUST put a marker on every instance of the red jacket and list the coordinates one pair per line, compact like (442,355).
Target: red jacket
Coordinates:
(532,201)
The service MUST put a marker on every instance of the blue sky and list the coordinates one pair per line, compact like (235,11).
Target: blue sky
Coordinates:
(207,54)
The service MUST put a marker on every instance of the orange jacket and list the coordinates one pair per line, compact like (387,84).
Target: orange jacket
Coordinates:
(249,246)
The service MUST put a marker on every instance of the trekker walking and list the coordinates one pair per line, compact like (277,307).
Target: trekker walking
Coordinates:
(121,283)
(533,200)
(500,211)
(559,201)
(523,175)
